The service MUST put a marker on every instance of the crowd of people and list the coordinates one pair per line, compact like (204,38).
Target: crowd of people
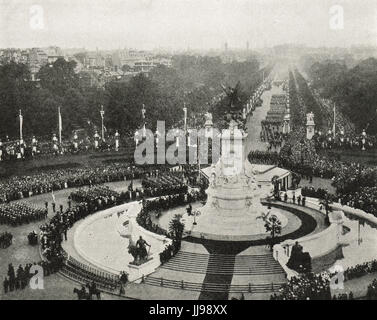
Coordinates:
(89,201)
(360,270)
(309,286)
(306,287)
(53,232)
(311,192)
(372,290)
(263,157)
(275,139)
(32,238)
(344,141)
(16,214)
(344,296)
(163,180)
(153,208)
(40,182)
(19,279)
(46,147)
(5,239)
(273,124)
(102,196)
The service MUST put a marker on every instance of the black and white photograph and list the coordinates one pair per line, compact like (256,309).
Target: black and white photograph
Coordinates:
(188,150)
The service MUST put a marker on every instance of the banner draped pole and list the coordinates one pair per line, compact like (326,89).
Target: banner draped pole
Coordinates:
(21,124)
(60,126)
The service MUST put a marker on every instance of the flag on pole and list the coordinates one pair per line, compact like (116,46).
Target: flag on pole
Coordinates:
(60,126)
(334,121)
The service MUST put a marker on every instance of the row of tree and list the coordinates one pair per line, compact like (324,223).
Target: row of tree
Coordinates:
(353,89)
(194,81)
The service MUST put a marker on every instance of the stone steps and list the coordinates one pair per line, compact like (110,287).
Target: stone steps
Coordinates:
(224,264)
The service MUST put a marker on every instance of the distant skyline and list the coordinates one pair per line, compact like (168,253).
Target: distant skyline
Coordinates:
(182,24)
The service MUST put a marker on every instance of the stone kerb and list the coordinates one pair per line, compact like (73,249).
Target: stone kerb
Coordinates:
(356,212)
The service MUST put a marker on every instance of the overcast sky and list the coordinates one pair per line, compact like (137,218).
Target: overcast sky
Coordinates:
(178,24)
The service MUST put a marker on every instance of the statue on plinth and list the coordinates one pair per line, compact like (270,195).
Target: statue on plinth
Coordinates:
(232,94)
(139,251)
(208,117)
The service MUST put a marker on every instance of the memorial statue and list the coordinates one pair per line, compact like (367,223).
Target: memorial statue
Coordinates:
(139,251)
(141,244)
(310,117)
(233,96)
(208,117)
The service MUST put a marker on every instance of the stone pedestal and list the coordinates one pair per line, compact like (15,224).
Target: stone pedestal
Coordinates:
(310,125)
(233,205)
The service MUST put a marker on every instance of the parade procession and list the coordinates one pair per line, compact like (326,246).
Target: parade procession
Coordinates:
(184,156)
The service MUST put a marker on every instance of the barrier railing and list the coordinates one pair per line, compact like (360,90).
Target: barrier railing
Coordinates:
(213,287)
(96,272)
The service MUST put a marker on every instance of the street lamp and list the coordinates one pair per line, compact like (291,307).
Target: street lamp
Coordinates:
(196,212)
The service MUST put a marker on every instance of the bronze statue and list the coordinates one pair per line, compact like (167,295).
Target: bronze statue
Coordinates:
(233,96)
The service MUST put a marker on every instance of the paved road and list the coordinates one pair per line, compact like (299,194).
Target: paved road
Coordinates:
(254,123)
(21,253)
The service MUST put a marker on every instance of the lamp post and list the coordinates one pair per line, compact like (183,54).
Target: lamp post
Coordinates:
(196,212)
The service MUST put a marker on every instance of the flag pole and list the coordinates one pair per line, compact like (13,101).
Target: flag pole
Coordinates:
(143,111)
(21,124)
(60,126)
(334,121)
(102,112)
(185,115)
